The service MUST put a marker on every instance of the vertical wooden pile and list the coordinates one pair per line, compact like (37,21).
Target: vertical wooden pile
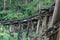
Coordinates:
(38,31)
(44,26)
(12,31)
(31,33)
(20,31)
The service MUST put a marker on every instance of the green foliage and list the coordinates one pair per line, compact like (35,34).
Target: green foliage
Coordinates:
(24,10)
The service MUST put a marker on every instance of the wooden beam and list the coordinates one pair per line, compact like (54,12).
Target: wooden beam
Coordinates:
(53,33)
(22,20)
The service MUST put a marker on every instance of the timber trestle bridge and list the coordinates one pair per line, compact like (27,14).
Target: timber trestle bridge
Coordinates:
(45,23)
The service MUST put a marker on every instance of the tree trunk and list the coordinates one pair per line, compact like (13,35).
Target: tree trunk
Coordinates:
(4,4)
(56,13)
(26,2)
(10,3)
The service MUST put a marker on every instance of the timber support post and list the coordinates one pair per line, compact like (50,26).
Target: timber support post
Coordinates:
(38,31)
(31,33)
(20,32)
(12,31)
(44,27)
(30,30)
(27,33)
